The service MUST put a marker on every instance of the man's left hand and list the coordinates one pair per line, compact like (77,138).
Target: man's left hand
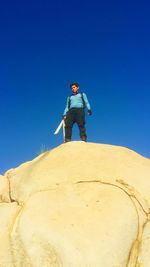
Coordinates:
(89,112)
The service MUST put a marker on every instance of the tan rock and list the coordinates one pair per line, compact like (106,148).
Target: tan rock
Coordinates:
(4,189)
(79,161)
(144,255)
(8,215)
(81,205)
(80,225)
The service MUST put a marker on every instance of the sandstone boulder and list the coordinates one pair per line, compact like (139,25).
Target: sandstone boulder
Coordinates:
(4,189)
(79,205)
(8,215)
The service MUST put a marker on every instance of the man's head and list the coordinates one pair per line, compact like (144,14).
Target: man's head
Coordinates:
(74,87)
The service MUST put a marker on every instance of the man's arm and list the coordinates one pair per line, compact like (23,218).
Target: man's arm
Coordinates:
(87,104)
(66,108)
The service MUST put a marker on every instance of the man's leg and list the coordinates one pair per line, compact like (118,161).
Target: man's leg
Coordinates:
(69,121)
(80,119)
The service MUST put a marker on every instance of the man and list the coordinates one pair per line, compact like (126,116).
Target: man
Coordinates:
(74,112)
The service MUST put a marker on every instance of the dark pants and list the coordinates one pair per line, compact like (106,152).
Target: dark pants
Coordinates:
(75,115)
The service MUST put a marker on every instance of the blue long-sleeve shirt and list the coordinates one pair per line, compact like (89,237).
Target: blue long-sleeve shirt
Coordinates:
(77,102)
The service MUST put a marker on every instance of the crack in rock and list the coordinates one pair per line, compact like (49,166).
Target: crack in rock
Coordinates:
(143,216)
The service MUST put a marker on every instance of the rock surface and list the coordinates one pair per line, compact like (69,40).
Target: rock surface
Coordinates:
(78,205)
(4,189)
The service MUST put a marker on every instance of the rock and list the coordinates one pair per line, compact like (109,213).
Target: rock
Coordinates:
(80,204)
(145,246)
(8,215)
(75,161)
(79,225)
(4,189)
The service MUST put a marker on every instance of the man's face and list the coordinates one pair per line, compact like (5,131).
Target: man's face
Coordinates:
(74,88)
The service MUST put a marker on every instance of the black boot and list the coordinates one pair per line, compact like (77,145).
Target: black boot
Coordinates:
(67,140)
(83,138)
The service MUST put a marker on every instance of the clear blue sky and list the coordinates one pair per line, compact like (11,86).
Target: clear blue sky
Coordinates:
(45,45)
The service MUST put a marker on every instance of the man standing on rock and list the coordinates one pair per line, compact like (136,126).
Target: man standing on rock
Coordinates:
(74,112)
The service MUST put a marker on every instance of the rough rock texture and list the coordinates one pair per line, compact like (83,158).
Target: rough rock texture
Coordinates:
(4,189)
(79,205)
(8,215)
